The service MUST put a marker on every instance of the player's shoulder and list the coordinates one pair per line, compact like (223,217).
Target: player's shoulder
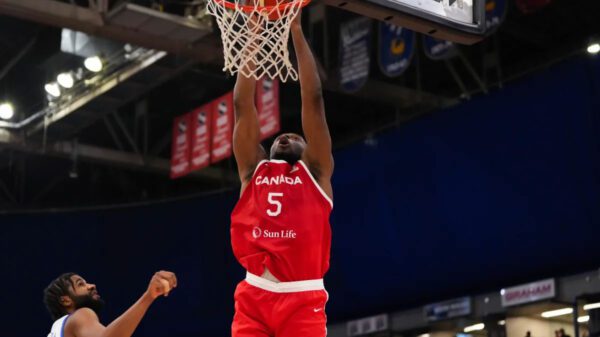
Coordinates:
(82,316)
(79,318)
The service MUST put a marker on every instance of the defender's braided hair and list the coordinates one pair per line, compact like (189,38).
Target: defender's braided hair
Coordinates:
(55,290)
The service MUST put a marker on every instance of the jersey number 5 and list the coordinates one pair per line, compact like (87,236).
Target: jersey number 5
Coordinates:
(275,203)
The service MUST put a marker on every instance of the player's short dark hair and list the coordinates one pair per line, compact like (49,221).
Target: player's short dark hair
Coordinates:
(53,292)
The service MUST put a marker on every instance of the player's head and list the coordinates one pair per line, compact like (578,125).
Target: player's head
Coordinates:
(288,147)
(70,292)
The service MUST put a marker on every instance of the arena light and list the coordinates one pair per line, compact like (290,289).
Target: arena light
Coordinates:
(53,89)
(93,63)
(65,80)
(593,48)
(591,306)
(6,111)
(558,312)
(502,322)
(583,319)
(474,327)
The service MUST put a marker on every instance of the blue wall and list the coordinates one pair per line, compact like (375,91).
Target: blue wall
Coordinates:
(500,190)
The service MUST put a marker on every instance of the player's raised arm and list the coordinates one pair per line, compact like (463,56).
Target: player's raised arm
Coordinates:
(246,141)
(314,124)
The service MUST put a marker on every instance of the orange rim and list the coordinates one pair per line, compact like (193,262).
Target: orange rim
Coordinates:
(248,8)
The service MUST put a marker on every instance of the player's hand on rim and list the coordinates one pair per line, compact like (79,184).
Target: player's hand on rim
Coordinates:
(297,21)
(162,283)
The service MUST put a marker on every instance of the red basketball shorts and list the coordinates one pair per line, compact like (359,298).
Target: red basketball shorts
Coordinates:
(287,309)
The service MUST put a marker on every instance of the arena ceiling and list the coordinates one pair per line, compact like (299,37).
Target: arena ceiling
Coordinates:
(114,147)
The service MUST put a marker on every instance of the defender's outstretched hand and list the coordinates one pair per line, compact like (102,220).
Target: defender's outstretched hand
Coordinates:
(162,283)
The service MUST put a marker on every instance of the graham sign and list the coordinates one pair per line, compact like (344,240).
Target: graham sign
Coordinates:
(530,292)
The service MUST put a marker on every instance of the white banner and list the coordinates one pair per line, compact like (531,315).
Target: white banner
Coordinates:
(529,292)
(367,325)
(448,309)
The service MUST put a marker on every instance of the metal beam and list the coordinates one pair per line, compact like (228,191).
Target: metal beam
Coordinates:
(473,72)
(17,58)
(395,95)
(128,136)
(7,192)
(48,188)
(455,75)
(100,155)
(160,145)
(51,12)
(124,75)
(108,84)
(113,133)
(59,14)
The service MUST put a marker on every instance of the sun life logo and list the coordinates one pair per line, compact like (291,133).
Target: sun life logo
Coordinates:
(256,232)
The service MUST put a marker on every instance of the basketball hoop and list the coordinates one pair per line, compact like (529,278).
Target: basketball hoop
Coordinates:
(255,36)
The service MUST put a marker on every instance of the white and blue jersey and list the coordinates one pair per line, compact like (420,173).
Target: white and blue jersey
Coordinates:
(58,328)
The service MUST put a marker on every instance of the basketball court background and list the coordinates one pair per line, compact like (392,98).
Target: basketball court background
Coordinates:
(444,187)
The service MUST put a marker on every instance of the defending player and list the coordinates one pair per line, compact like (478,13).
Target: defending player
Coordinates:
(74,304)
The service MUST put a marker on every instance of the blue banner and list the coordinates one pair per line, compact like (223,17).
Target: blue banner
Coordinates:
(396,48)
(438,49)
(355,39)
(495,11)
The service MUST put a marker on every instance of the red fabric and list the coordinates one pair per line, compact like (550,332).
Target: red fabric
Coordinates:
(180,146)
(294,241)
(200,134)
(267,107)
(260,313)
(530,6)
(222,127)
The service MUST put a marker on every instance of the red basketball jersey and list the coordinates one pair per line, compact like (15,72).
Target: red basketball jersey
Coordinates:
(282,222)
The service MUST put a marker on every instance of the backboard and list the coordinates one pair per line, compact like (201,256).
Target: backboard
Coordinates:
(461,21)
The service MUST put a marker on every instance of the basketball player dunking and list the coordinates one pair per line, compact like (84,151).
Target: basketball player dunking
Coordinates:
(280,229)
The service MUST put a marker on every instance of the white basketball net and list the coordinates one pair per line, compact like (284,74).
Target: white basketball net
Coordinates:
(255,39)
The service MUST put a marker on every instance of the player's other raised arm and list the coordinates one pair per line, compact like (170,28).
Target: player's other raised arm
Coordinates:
(314,124)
